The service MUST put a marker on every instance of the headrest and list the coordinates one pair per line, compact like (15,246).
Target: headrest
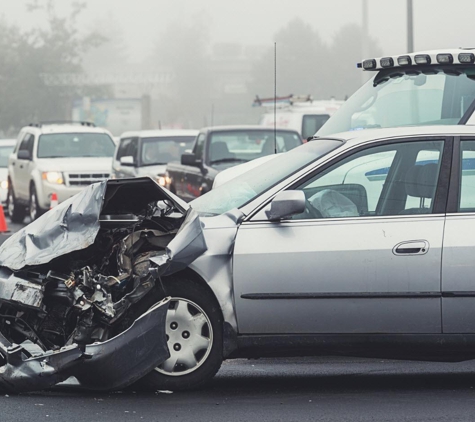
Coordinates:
(421,181)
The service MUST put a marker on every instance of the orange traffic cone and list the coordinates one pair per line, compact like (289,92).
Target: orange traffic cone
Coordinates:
(54,200)
(3,222)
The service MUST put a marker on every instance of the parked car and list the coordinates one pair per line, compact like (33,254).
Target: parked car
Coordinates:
(55,157)
(423,88)
(359,244)
(220,147)
(6,148)
(147,152)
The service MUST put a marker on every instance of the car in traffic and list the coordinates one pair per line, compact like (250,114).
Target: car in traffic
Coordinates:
(58,158)
(358,244)
(147,152)
(6,148)
(434,87)
(220,147)
(301,113)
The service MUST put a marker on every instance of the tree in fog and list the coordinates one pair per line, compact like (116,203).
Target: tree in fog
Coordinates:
(305,65)
(54,46)
(346,48)
(301,63)
(182,49)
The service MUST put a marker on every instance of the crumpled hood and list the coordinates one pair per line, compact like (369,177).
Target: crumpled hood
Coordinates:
(74,224)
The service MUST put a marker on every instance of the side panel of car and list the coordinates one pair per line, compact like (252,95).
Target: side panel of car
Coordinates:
(371,266)
(23,167)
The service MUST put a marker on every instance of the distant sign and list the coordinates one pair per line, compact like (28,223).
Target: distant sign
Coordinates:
(116,115)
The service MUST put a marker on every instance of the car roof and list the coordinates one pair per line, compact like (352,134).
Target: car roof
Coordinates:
(159,133)
(245,127)
(360,136)
(7,142)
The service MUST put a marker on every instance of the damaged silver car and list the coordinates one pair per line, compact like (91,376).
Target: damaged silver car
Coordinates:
(79,294)
(357,245)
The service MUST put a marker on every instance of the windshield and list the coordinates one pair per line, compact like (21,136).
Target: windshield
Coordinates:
(5,152)
(162,150)
(395,97)
(59,145)
(244,188)
(245,145)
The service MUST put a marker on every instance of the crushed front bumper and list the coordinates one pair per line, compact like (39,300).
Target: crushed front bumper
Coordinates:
(113,364)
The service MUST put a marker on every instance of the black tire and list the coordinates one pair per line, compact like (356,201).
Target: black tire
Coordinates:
(34,209)
(16,211)
(185,288)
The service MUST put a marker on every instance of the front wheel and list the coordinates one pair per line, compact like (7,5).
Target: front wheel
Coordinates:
(194,330)
(16,211)
(34,208)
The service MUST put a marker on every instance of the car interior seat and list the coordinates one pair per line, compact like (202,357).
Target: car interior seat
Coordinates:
(421,182)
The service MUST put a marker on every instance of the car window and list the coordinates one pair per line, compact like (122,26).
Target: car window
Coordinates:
(55,145)
(394,179)
(164,149)
(199,145)
(467,177)
(247,145)
(124,147)
(27,143)
(311,123)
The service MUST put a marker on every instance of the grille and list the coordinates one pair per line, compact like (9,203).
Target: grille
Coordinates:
(84,179)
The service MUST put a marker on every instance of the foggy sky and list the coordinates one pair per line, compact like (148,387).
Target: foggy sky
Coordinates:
(438,23)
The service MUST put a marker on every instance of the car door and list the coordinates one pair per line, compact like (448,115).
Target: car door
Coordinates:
(365,257)
(458,265)
(23,168)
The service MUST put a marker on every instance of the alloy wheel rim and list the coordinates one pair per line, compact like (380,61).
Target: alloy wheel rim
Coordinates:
(189,338)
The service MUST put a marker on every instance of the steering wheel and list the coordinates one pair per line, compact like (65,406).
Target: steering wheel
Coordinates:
(310,211)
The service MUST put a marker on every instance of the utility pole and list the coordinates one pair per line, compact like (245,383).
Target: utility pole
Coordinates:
(410,28)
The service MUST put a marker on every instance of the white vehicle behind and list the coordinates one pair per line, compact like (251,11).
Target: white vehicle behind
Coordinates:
(302,114)
(55,160)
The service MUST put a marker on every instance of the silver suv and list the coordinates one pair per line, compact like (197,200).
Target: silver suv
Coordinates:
(55,158)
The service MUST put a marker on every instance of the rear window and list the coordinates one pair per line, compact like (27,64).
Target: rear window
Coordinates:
(57,145)
(311,123)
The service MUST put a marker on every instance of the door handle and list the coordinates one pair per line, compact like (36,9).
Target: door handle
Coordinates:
(411,247)
(21,166)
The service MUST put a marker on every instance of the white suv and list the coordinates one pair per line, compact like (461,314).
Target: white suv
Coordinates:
(58,158)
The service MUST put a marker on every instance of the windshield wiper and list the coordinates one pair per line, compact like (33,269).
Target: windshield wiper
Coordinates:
(229,160)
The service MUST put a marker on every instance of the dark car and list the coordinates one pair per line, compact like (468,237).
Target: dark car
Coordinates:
(218,148)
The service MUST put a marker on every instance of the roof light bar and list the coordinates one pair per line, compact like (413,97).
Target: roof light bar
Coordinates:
(445,58)
(404,60)
(387,62)
(369,64)
(466,58)
(422,59)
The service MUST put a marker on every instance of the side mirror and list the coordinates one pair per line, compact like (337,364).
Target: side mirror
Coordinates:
(127,160)
(190,159)
(23,154)
(286,204)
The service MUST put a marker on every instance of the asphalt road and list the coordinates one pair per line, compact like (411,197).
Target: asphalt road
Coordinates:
(298,389)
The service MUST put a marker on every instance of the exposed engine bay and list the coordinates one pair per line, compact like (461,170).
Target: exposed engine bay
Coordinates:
(72,286)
